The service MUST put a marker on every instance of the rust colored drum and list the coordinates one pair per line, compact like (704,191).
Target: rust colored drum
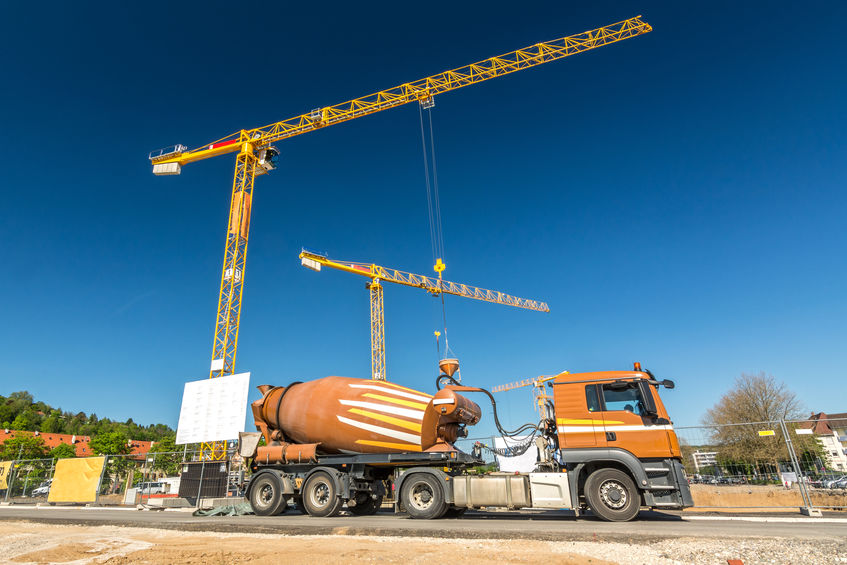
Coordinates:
(345,415)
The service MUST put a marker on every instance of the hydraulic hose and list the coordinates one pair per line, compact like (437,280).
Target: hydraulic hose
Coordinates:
(506,433)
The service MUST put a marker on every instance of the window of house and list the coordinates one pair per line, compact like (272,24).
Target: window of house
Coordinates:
(623,397)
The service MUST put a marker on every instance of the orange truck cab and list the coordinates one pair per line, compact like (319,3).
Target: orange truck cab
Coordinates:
(615,440)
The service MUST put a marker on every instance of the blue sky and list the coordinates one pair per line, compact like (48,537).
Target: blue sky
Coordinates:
(677,198)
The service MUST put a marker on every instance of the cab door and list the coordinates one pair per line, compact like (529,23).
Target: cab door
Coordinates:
(629,419)
(579,417)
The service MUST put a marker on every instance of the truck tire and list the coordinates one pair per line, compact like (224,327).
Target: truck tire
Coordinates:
(423,497)
(320,495)
(367,506)
(612,495)
(266,496)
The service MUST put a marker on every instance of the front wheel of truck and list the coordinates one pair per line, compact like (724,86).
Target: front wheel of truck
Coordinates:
(612,495)
(423,497)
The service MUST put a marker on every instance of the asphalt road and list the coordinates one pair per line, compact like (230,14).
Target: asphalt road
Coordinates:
(544,525)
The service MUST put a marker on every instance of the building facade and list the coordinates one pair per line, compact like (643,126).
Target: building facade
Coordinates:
(831,431)
(138,449)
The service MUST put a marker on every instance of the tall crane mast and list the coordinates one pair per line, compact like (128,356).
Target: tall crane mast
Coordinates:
(435,286)
(256,155)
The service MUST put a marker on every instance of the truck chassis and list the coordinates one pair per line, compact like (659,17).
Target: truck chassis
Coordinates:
(435,485)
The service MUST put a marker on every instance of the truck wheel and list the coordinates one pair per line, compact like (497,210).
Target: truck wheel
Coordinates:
(367,506)
(612,495)
(266,496)
(320,497)
(423,497)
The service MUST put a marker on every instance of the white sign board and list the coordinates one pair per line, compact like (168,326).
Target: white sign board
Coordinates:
(213,409)
(523,463)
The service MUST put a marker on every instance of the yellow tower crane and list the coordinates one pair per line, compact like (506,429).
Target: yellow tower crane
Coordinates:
(433,285)
(539,393)
(256,155)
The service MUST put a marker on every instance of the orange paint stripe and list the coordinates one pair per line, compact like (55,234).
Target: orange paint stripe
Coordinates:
(415,427)
(399,401)
(390,445)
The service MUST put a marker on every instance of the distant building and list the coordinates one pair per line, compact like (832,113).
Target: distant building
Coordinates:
(138,449)
(831,431)
(704,459)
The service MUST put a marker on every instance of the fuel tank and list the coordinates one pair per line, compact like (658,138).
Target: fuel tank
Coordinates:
(346,415)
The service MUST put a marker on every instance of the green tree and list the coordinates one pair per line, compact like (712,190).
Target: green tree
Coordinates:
(755,403)
(166,457)
(25,420)
(23,447)
(111,443)
(63,451)
(53,423)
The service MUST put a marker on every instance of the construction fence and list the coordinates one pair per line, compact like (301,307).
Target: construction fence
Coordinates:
(776,464)
(769,464)
(169,479)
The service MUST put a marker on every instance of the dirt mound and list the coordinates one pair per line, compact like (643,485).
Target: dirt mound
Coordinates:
(751,496)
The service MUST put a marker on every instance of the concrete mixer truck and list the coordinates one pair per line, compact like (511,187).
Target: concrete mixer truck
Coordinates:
(606,444)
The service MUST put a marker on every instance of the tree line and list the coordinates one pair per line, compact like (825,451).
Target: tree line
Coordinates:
(19,411)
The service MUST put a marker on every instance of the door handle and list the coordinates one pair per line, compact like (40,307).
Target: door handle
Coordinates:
(610,436)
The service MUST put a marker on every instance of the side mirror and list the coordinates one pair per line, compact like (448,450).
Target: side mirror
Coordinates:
(647,398)
(667,383)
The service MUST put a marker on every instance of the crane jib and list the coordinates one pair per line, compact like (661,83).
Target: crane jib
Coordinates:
(420,90)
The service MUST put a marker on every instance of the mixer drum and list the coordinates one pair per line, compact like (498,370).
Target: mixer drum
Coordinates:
(346,415)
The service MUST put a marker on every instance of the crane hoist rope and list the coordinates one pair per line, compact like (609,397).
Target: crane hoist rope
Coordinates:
(433,202)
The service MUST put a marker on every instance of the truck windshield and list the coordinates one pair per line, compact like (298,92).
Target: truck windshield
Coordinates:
(617,398)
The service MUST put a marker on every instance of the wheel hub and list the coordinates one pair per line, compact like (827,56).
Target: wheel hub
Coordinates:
(613,494)
(320,495)
(266,494)
(421,496)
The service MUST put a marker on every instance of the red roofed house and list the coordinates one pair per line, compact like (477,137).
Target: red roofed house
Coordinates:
(831,432)
(138,449)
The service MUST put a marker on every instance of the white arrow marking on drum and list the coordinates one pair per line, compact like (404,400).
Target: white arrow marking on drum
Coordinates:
(380,430)
(416,414)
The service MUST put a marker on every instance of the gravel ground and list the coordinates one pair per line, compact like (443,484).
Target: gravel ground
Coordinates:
(699,551)
(31,543)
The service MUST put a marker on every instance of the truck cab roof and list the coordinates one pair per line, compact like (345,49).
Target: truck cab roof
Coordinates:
(563,378)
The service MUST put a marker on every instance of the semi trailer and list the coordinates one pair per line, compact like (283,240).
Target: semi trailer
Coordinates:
(605,444)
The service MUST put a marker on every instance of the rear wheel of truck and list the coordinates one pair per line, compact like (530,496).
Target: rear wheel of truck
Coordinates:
(320,496)
(365,505)
(423,497)
(266,496)
(612,495)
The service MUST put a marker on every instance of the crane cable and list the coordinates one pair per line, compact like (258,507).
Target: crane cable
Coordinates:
(433,200)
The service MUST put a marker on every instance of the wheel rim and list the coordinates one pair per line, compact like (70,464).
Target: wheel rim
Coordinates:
(613,494)
(421,496)
(266,494)
(320,495)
